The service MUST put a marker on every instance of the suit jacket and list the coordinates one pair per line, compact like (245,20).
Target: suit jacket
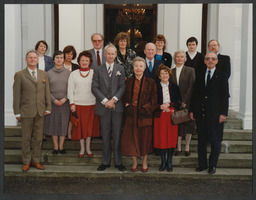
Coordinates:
(186,83)
(152,74)
(74,66)
(94,58)
(105,87)
(197,62)
(224,64)
(167,59)
(211,101)
(48,63)
(31,97)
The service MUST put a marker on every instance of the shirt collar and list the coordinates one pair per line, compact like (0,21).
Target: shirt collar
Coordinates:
(164,85)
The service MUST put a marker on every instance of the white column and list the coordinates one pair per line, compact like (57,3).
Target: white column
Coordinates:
(245,110)
(13,60)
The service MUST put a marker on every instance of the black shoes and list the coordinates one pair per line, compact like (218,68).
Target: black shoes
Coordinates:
(63,151)
(102,167)
(55,152)
(199,169)
(120,167)
(212,170)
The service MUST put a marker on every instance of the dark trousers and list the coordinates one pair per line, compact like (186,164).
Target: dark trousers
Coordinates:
(209,132)
(111,121)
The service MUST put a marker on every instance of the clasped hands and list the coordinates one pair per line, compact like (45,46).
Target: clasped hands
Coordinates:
(60,102)
(165,107)
(110,103)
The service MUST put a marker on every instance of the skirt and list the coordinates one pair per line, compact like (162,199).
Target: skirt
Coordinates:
(57,122)
(136,141)
(187,128)
(165,133)
(88,123)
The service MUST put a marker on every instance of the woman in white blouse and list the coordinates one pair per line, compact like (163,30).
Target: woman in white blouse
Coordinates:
(82,101)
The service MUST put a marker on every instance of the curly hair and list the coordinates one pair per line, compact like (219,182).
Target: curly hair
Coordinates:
(160,37)
(165,68)
(122,36)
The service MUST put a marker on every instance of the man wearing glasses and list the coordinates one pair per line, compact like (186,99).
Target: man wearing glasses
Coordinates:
(223,60)
(209,107)
(98,56)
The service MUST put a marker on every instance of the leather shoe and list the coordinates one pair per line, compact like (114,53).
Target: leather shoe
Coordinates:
(177,153)
(90,155)
(55,152)
(120,167)
(80,155)
(134,169)
(62,151)
(199,169)
(38,166)
(187,153)
(26,167)
(102,167)
(212,170)
(144,170)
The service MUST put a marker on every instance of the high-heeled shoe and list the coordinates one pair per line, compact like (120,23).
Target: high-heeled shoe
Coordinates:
(134,169)
(90,155)
(144,170)
(80,155)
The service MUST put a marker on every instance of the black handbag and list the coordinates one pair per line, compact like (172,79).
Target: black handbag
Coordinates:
(180,116)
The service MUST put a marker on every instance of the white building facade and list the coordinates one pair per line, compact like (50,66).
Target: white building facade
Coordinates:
(230,24)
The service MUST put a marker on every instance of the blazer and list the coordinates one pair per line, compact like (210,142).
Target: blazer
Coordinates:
(186,83)
(48,63)
(147,100)
(31,97)
(224,64)
(210,101)
(167,59)
(174,94)
(94,58)
(152,74)
(105,87)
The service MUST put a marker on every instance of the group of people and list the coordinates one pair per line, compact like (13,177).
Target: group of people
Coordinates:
(115,94)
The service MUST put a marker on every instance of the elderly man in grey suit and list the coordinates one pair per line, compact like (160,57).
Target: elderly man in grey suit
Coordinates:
(108,86)
(31,103)
(98,57)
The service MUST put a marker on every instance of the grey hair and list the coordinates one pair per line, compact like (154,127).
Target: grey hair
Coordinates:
(150,43)
(108,46)
(102,37)
(140,59)
(177,52)
(211,52)
(32,51)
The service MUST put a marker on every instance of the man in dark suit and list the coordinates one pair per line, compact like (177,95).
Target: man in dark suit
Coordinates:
(108,86)
(31,103)
(151,62)
(209,107)
(98,57)
(223,60)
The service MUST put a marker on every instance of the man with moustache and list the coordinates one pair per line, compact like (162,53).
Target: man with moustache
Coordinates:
(209,108)
(31,103)
(108,86)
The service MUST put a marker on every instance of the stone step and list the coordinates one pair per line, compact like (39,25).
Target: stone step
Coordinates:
(91,172)
(225,160)
(229,134)
(228,146)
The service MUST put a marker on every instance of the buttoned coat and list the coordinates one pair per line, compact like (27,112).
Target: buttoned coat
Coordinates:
(31,97)
(105,87)
(153,74)
(94,58)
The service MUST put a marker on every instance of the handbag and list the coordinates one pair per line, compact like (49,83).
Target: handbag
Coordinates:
(74,118)
(180,116)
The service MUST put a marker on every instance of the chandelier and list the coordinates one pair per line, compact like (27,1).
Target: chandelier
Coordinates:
(132,13)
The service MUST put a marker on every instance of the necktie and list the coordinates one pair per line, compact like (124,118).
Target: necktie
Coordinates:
(34,75)
(208,78)
(109,71)
(98,59)
(150,66)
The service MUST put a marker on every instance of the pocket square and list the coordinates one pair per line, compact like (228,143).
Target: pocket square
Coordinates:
(118,73)
(44,81)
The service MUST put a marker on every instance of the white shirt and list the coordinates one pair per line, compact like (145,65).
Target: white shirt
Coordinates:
(206,74)
(166,93)
(41,63)
(30,71)
(192,55)
(70,67)
(152,61)
(178,71)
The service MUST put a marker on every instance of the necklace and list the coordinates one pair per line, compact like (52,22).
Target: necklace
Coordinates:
(84,76)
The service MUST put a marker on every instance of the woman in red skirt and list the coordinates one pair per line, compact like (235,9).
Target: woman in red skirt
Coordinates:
(166,134)
(82,101)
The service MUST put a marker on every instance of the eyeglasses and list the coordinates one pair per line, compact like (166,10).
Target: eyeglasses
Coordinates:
(213,45)
(209,58)
(94,41)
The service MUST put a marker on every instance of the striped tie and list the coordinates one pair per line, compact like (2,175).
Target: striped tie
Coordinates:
(34,75)
(109,71)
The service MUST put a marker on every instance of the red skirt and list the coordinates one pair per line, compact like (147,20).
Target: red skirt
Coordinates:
(165,134)
(88,123)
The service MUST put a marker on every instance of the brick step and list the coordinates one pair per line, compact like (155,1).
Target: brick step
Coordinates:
(91,172)
(225,160)
(228,146)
